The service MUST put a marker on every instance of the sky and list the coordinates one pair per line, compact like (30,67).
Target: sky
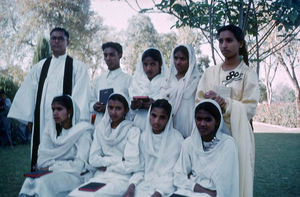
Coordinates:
(116,14)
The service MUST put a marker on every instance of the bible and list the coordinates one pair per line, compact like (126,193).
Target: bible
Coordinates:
(37,174)
(104,95)
(92,187)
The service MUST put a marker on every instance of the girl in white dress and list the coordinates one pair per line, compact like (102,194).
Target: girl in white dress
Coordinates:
(181,86)
(208,162)
(160,147)
(114,151)
(64,150)
(148,79)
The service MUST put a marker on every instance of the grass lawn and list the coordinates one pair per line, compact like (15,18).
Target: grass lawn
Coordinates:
(277,166)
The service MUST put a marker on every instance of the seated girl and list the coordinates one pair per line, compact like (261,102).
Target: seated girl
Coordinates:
(114,151)
(147,81)
(181,86)
(160,147)
(64,150)
(208,162)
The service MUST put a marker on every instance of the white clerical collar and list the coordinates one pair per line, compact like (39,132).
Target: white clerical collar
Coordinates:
(61,57)
(113,73)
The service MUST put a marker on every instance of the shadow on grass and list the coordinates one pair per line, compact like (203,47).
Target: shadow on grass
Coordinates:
(277,166)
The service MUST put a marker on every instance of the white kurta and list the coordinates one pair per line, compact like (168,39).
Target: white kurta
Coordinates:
(182,93)
(142,86)
(159,153)
(23,105)
(116,79)
(117,150)
(65,155)
(240,108)
(214,169)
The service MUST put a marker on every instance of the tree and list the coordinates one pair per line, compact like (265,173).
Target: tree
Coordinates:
(140,35)
(7,84)
(42,50)
(289,60)
(256,18)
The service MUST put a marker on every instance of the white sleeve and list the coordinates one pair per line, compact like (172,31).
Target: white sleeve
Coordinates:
(182,168)
(131,154)
(81,90)
(97,157)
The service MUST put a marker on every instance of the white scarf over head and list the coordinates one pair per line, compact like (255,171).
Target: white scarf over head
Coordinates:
(166,147)
(113,136)
(62,144)
(142,86)
(193,74)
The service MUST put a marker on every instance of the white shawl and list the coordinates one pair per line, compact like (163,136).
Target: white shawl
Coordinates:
(105,130)
(189,82)
(62,144)
(142,86)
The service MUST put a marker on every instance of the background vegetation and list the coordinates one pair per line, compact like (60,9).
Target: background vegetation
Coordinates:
(271,28)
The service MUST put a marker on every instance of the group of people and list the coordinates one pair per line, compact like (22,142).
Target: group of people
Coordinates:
(166,130)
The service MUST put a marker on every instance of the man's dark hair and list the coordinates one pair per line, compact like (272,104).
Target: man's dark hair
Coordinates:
(113,45)
(61,30)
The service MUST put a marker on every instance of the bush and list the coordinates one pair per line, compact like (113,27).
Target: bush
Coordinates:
(283,114)
(7,84)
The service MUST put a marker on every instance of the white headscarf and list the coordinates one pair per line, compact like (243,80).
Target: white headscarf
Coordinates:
(103,129)
(142,86)
(195,135)
(168,143)
(189,82)
(62,144)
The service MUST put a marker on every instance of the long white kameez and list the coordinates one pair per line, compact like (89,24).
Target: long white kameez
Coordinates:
(142,86)
(23,105)
(240,108)
(116,79)
(159,153)
(117,150)
(65,155)
(215,168)
(182,93)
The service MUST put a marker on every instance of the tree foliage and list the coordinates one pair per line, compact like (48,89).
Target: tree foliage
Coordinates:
(42,50)
(257,18)
(7,84)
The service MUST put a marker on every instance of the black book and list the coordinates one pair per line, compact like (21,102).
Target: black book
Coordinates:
(177,195)
(92,187)
(104,95)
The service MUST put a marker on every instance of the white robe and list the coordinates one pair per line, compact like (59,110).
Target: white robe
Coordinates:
(65,155)
(182,93)
(116,79)
(240,108)
(159,153)
(117,150)
(214,169)
(142,86)
(23,105)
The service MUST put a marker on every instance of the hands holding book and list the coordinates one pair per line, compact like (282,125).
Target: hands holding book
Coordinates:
(99,107)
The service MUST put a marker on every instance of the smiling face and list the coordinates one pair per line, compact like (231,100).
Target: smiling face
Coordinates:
(158,119)
(61,115)
(58,43)
(116,111)
(111,58)
(151,67)
(229,45)
(206,125)
(181,63)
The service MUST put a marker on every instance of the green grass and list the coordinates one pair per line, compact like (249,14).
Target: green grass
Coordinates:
(277,166)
